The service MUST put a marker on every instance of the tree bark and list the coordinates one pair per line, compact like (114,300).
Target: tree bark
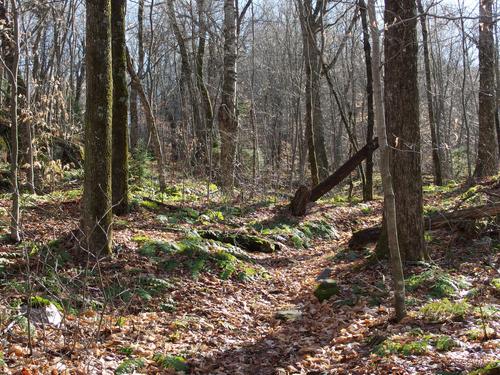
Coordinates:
(135,131)
(187,79)
(311,24)
(402,121)
(11,65)
(436,147)
(439,220)
(97,210)
(368,186)
(390,208)
(228,120)
(120,109)
(150,121)
(303,196)
(487,148)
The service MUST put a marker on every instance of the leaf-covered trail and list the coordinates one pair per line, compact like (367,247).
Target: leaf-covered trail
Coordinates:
(230,326)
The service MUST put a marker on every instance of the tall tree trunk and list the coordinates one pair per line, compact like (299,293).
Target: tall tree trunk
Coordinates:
(487,148)
(368,187)
(311,24)
(389,196)
(135,131)
(120,108)
(187,79)
(97,211)
(11,65)
(150,121)
(200,80)
(402,121)
(436,147)
(228,121)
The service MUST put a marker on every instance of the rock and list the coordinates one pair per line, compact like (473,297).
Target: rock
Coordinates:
(247,242)
(326,289)
(288,315)
(325,274)
(44,315)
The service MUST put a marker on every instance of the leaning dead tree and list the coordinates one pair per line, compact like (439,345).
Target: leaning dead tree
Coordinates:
(303,196)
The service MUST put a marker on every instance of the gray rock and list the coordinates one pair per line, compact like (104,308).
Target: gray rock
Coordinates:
(325,274)
(44,315)
(288,315)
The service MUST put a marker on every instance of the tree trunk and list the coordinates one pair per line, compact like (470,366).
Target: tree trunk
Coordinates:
(228,121)
(303,195)
(150,121)
(436,147)
(97,210)
(402,121)
(310,26)
(135,131)
(389,196)
(11,65)
(438,220)
(120,108)
(200,81)
(187,74)
(487,148)
(368,186)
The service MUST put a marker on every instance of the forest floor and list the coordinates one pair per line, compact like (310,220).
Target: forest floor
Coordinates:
(170,301)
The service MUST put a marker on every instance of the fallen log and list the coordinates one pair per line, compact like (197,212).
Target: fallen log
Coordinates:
(303,196)
(245,241)
(434,221)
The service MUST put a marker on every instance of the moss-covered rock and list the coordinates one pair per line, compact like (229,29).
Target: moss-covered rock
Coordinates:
(326,289)
(245,241)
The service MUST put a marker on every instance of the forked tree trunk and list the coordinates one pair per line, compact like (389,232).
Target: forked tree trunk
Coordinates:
(150,121)
(187,79)
(311,24)
(389,197)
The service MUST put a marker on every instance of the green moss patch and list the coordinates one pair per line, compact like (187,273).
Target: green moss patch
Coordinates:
(326,290)
(437,283)
(443,310)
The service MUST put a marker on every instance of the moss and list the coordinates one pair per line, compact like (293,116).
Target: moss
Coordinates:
(490,369)
(39,302)
(442,310)
(439,283)
(175,363)
(152,248)
(415,347)
(326,289)
(495,283)
(130,366)
(445,343)
(153,206)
